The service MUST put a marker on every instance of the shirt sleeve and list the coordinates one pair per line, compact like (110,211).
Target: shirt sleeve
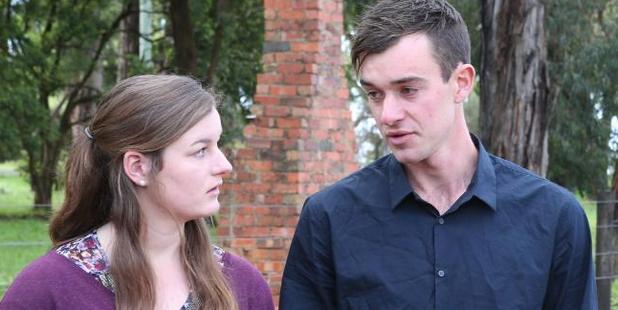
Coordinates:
(571,282)
(308,279)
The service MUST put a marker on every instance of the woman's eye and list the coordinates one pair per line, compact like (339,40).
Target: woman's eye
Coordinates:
(201,152)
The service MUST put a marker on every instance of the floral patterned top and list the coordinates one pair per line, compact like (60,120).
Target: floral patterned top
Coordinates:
(87,253)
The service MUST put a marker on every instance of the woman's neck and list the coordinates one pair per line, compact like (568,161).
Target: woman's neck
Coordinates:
(161,234)
(159,242)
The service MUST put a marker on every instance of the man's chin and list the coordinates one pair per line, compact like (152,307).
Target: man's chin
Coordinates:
(406,156)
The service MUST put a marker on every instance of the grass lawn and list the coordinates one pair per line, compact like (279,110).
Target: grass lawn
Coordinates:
(16,198)
(22,238)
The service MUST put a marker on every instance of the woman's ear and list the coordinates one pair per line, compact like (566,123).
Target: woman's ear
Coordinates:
(465,75)
(137,167)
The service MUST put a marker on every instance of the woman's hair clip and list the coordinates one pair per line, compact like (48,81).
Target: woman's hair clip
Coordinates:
(89,133)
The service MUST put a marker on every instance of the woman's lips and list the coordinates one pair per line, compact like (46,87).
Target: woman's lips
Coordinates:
(214,190)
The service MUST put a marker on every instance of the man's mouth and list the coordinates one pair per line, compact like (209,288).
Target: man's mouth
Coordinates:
(397,137)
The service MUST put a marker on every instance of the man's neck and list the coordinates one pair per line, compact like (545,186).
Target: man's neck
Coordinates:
(444,177)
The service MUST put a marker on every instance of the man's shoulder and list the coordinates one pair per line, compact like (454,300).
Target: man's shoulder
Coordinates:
(370,178)
(525,183)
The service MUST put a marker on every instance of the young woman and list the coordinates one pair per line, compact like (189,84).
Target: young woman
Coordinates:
(131,234)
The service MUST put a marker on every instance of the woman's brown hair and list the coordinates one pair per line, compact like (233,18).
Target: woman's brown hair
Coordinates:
(146,114)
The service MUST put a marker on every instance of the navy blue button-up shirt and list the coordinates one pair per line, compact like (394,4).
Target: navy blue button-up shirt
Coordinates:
(513,240)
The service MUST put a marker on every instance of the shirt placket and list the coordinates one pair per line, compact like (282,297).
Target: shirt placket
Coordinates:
(441,270)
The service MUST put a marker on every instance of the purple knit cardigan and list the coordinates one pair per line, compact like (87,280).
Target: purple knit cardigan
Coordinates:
(54,282)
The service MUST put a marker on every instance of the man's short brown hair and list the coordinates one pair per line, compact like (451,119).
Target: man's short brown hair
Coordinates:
(383,24)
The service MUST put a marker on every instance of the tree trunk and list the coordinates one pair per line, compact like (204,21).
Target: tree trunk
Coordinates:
(185,50)
(43,180)
(43,161)
(83,112)
(129,39)
(43,169)
(219,17)
(44,154)
(6,16)
(514,82)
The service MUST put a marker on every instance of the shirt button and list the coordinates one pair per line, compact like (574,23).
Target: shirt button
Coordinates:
(440,221)
(441,273)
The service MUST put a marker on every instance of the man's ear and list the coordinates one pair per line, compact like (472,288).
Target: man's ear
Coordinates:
(137,167)
(464,78)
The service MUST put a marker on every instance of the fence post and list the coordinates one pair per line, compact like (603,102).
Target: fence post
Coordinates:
(605,249)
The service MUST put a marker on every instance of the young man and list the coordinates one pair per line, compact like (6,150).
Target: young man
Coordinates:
(439,223)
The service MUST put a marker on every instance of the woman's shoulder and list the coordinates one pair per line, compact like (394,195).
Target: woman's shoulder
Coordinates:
(31,284)
(234,264)
(237,268)
(35,283)
(43,269)
(49,281)
(248,284)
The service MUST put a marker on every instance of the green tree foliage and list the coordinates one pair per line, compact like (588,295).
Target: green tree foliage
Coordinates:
(228,39)
(233,70)
(582,54)
(50,49)
(10,147)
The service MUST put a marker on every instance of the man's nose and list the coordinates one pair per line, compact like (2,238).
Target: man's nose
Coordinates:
(392,111)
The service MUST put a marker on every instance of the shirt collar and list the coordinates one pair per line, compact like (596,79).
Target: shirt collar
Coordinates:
(398,181)
(483,184)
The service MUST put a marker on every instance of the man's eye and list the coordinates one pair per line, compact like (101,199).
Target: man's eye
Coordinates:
(408,90)
(373,95)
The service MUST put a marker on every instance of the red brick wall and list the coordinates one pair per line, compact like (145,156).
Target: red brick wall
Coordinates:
(301,140)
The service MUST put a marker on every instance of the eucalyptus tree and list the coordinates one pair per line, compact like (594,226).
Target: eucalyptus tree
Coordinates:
(53,53)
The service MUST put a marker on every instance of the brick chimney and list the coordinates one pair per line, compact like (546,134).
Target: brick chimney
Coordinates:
(301,138)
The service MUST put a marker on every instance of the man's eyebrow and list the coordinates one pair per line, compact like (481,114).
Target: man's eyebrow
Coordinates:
(395,82)
(408,80)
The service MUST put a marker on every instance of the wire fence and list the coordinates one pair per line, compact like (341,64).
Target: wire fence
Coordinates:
(11,244)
